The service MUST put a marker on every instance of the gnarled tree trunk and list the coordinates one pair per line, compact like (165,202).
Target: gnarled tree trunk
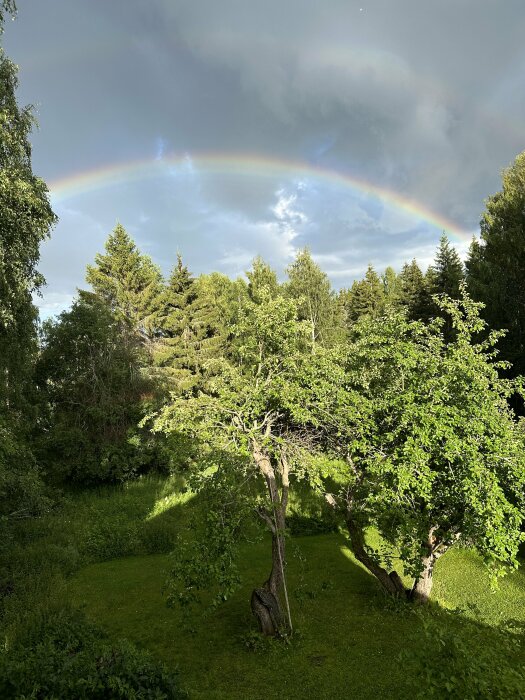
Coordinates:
(265,601)
(389,580)
(422,587)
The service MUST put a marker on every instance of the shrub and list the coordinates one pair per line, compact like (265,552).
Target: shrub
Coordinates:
(60,655)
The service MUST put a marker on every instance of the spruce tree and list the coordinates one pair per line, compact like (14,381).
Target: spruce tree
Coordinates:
(129,282)
(447,272)
(496,264)
(366,297)
(415,296)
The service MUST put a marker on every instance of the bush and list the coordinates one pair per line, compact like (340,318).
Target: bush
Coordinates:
(60,655)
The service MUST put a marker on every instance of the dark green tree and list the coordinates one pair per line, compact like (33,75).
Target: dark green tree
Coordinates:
(129,282)
(415,295)
(447,273)
(366,297)
(89,373)
(496,264)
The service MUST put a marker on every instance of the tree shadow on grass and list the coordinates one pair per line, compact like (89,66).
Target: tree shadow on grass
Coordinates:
(349,635)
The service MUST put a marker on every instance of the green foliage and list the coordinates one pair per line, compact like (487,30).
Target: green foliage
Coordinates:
(415,295)
(261,277)
(431,447)
(310,287)
(60,655)
(25,221)
(129,282)
(90,376)
(496,264)
(365,298)
(447,273)
(21,490)
(6,7)
(443,450)
(196,326)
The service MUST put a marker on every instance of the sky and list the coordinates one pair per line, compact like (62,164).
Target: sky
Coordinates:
(224,130)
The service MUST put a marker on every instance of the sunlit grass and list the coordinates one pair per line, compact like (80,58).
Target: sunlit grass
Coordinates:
(349,636)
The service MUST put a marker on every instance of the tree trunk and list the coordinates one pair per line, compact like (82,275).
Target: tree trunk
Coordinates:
(265,601)
(390,581)
(422,587)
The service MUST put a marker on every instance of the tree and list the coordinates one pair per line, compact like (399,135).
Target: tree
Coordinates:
(496,263)
(447,273)
(261,277)
(391,288)
(89,373)
(26,219)
(366,297)
(415,295)
(311,288)
(175,349)
(433,454)
(129,282)
(248,449)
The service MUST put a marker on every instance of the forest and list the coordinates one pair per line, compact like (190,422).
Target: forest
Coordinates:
(260,487)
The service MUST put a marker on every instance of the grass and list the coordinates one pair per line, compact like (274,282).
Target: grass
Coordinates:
(349,636)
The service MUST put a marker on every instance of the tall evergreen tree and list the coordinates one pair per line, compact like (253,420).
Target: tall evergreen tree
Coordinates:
(415,296)
(496,264)
(129,282)
(447,272)
(310,286)
(366,297)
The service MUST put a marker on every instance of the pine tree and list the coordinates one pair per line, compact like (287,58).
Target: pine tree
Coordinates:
(310,286)
(366,297)
(447,272)
(198,316)
(415,296)
(496,264)
(129,282)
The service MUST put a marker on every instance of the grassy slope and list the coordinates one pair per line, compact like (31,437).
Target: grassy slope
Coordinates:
(350,635)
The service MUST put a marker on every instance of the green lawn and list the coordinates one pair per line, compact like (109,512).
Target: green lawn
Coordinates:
(107,551)
(350,636)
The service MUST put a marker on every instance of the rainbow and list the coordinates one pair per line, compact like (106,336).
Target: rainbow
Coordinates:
(248,165)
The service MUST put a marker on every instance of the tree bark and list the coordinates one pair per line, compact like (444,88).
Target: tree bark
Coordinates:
(422,587)
(265,601)
(390,581)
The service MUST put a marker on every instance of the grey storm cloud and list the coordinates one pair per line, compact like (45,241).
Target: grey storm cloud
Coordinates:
(426,99)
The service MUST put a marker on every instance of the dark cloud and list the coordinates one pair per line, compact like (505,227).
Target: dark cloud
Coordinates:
(425,99)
